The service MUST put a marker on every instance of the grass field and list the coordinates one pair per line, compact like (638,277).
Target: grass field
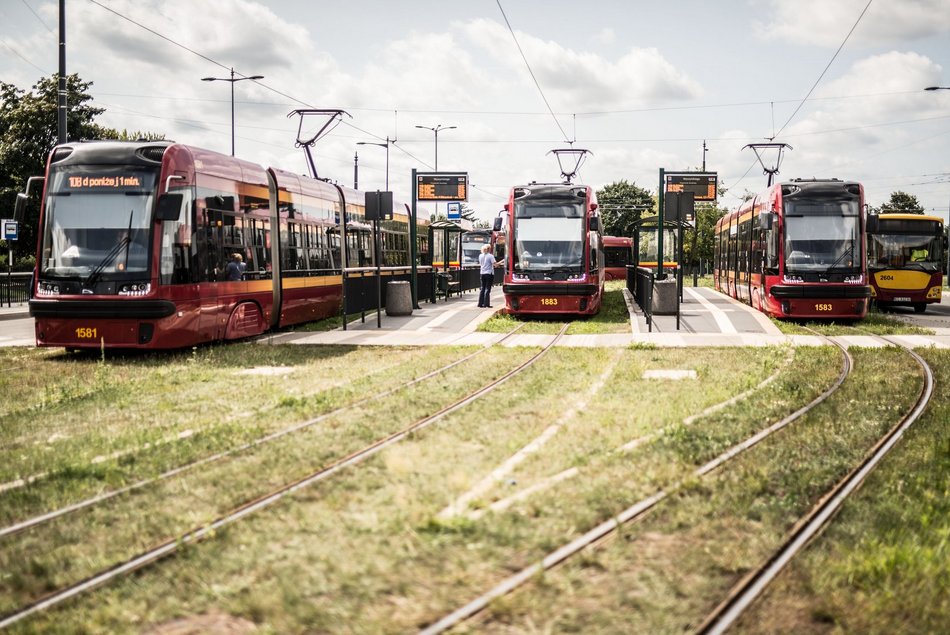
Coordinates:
(392,544)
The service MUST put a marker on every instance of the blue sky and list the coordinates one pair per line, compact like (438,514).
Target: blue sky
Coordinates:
(640,84)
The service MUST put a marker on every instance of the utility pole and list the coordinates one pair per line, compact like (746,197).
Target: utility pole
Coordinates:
(61,92)
(356,171)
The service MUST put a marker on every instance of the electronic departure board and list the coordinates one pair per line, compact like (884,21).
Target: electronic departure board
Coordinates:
(701,184)
(441,186)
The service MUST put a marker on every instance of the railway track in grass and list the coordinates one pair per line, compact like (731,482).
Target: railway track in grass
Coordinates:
(197,534)
(39,519)
(631,514)
(754,584)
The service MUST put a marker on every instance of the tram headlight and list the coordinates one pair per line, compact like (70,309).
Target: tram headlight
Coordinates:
(575,276)
(135,288)
(788,278)
(858,279)
(47,288)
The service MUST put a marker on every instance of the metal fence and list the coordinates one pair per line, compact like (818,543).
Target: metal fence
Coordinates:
(14,288)
(642,280)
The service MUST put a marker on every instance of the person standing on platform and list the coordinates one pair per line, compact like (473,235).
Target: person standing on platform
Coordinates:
(487,264)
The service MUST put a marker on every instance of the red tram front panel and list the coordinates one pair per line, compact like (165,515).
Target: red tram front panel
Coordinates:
(555,261)
(797,251)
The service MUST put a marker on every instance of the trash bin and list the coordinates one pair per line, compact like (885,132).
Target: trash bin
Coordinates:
(398,298)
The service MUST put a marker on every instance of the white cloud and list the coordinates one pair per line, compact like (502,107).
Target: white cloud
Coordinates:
(827,22)
(580,80)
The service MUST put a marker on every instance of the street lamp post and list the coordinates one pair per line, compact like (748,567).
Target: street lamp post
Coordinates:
(948,208)
(232,80)
(436,131)
(381,145)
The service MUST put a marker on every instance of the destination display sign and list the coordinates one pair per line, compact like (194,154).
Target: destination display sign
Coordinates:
(701,184)
(104,181)
(441,186)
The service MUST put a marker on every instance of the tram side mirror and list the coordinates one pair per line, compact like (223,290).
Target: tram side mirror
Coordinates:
(497,226)
(765,220)
(872,223)
(169,207)
(20,207)
(594,224)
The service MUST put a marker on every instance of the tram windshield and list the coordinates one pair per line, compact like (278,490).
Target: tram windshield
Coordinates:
(97,223)
(472,247)
(822,236)
(549,236)
(906,251)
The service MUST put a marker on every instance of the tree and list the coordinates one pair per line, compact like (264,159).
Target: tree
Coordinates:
(899,203)
(621,205)
(28,131)
(706,216)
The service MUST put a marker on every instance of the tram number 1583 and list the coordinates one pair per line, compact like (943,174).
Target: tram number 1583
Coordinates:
(548,301)
(824,306)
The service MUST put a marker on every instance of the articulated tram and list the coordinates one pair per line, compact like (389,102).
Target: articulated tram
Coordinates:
(618,253)
(555,260)
(797,251)
(905,259)
(137,242)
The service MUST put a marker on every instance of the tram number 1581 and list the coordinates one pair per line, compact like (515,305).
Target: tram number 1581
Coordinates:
(548,301)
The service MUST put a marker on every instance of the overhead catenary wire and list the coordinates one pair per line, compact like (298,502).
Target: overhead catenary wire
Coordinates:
(531,72)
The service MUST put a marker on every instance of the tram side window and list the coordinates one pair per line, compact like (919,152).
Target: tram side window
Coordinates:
(293,256)
(176,256)
(260,247)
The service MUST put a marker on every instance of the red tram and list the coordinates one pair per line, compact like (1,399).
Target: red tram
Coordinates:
(135,240)
(555,261)
(618,253)
(797,251)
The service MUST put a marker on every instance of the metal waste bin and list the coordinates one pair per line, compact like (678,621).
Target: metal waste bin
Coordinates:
(398,298)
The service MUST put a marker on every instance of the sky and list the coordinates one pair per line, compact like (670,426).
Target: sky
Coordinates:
(641,85)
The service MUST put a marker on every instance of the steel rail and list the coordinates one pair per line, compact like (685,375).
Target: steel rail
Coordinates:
(751,587)
(178,471)
(635,512)
(209,529)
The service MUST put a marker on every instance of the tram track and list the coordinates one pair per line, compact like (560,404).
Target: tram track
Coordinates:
(39,519)
(633,513)
(264,501)
(753,585)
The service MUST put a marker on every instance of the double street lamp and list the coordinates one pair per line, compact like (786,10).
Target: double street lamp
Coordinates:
(381,145)
(232,80)
(436,132)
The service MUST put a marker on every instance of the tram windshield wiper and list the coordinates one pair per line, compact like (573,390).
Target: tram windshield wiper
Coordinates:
(847,252)
(108,259)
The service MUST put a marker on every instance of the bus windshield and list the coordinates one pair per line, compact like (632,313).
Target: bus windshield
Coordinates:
(97,222)
(822,236)
(549,236)
(911,251)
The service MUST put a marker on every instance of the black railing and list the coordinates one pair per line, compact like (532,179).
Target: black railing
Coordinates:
(643,292)
(14,288)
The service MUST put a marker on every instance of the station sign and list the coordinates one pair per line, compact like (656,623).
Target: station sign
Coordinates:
(442,186)
(454,211)
(10,229)
(378,206)
(701,184)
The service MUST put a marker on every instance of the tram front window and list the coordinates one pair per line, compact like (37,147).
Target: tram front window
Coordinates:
(822,236)
(471,249)
(97,222)
(548,244)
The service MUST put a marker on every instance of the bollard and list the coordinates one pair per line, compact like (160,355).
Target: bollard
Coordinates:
(398,298)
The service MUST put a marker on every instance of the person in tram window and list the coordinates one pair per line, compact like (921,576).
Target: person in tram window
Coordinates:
(235,268)
(487,264)
(918,254)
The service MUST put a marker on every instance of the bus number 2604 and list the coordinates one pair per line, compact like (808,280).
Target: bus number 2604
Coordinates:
(86,333)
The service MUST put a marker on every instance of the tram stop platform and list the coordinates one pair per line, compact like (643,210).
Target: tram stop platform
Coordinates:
(707,318)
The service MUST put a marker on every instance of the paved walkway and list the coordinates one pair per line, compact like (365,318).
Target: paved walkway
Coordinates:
(707,318)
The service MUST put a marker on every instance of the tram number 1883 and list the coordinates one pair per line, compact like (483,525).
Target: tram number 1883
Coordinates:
(548,301)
